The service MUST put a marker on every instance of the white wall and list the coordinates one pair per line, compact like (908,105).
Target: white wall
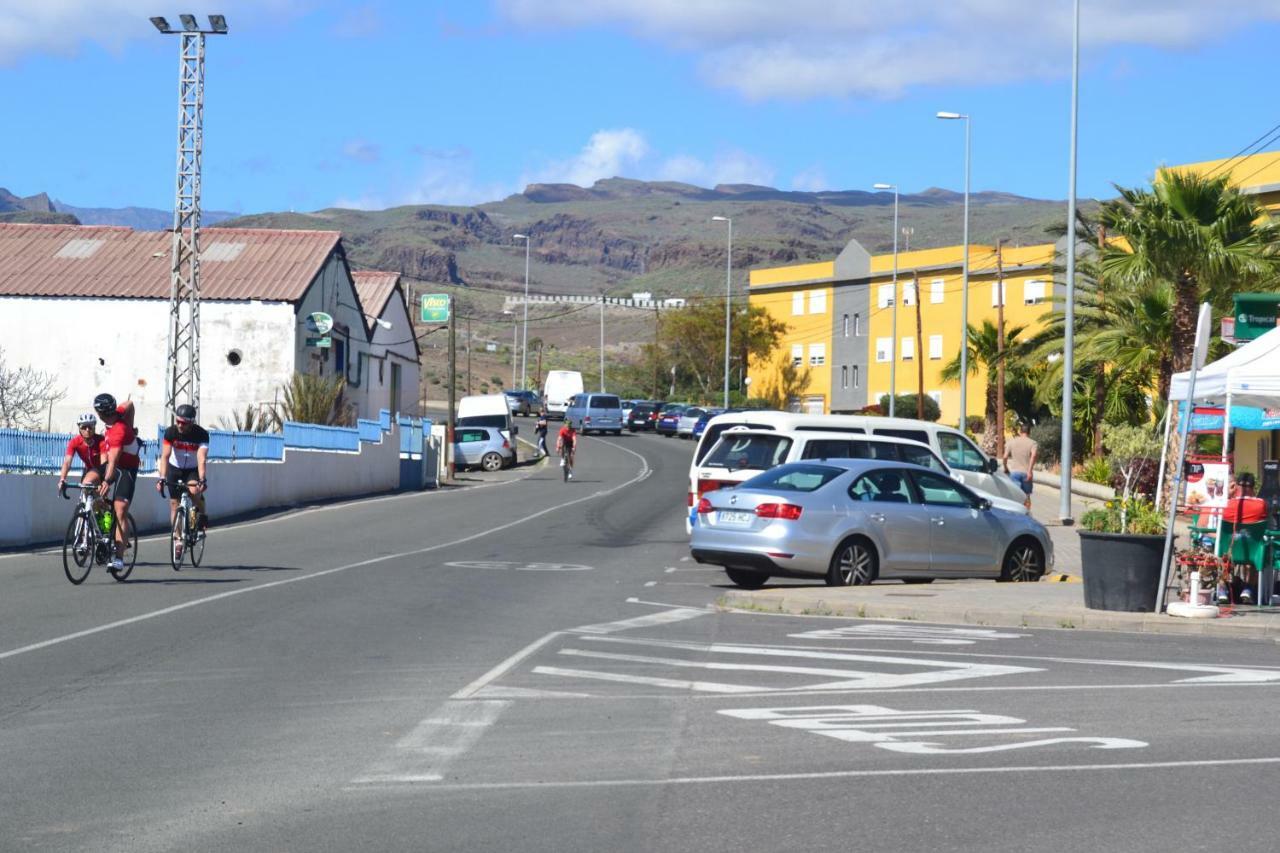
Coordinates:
(390,346)
(34,513)
(120,346)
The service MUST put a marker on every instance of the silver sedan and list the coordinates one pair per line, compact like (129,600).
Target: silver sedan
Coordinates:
(853,521)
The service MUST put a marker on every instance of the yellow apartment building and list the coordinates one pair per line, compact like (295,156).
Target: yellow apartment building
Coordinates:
(801,297)
(1257,174)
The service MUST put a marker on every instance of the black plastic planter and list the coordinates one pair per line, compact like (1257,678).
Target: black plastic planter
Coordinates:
(1121,570)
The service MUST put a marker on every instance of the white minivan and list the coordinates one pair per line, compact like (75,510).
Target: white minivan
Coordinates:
(488,410)
(742,453)
(969,464)
(559,389)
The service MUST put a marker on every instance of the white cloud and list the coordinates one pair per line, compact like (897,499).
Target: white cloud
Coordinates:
(608,154)
(817,48)
(440,177)
(811,180)
(29,27)
(362,151)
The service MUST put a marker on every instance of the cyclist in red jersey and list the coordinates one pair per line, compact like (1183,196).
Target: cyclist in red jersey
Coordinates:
(567,443)
(122,449)
(87,445)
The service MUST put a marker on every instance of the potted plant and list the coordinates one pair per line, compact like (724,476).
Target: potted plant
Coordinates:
(1122,542)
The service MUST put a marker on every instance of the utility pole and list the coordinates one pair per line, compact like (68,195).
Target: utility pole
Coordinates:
(657,373)
(183,350)
(602,343)
(1000,348)
(453,384)
(919,344)
(468,355)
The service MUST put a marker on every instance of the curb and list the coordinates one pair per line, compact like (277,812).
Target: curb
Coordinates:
(1063,618)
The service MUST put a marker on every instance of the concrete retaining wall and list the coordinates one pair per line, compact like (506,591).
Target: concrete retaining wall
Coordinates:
(31,511)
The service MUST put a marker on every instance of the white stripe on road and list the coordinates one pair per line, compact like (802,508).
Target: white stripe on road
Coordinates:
(856,774)
(142,617)
(425,753)
(652,681)
(666,617)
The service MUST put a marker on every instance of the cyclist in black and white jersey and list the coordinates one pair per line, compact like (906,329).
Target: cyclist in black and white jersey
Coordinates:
(184,456)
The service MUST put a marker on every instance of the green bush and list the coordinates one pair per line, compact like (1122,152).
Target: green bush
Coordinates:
(904,406)
(975,425)
(1048,437)
(1136,515)
(1096,470)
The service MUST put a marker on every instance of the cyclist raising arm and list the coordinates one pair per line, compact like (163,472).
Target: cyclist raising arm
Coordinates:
(88,445)
(122,449)
(184,456)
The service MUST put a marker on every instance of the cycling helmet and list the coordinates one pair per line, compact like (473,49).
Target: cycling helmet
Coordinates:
(87,419)
(104,403)
(186,412)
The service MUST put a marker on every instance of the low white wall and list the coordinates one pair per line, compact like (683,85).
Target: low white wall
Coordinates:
(31,511)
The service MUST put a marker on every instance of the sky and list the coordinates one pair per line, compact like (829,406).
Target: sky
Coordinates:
(318,103)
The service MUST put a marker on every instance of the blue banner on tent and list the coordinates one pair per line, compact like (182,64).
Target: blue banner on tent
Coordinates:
(1209,419)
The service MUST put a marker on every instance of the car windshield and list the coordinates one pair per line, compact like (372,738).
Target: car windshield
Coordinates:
(748,452)
(796,477)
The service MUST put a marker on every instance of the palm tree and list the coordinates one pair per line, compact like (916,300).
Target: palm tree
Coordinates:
(1197,233)
(984,355)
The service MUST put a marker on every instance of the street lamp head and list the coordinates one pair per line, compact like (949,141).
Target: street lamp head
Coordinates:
(951,115)
(519,237)
(883,187)
(383,324)
(721,219)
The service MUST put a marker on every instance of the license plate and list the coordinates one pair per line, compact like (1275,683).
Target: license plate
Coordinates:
(734,519)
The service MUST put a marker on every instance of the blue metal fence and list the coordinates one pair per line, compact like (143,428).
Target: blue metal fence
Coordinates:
(370,431)
(32,451)
(230,445)
(316,437)
(384,419)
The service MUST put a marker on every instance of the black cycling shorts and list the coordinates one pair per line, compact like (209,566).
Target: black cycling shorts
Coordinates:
(126,481)
(177,476)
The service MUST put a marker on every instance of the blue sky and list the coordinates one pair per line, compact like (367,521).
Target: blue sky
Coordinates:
(315,103)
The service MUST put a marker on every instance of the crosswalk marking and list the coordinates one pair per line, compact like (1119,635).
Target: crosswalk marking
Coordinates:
(425,753)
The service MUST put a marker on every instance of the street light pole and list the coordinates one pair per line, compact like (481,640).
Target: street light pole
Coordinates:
(893,362)
(728,282)
(964,290)
(524,346)
(1068,347)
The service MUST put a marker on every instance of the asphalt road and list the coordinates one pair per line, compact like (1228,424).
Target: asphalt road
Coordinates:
(526,664)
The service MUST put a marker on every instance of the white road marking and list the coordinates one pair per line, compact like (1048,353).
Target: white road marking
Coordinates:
(504,667)
(861,774)
(674,683)
(154,614)
(426,752)
(920,634)
(651,583)
(665,617)
(508,565)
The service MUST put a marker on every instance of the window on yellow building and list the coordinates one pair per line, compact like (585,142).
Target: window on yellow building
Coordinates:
(908,349)
(1033,292)
(935,346)
(937,290)
(844,376)
(884,349)
(908,293)
(797,303)
(857,380)
(817,302)
(846,325)
(797,355)
(817,354)
(857,325)
(884,296)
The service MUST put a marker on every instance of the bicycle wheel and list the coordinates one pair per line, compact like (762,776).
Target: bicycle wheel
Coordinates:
(77,550)
(178,539)
(131,555)
(195,548)
(564,467)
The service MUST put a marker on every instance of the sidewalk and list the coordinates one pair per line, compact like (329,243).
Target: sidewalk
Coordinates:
(1048,604)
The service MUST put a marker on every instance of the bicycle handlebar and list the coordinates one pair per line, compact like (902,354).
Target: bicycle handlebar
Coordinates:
(62,488)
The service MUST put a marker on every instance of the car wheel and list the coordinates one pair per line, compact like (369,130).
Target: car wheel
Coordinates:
(491,461)
(747,579)
(617,432)
(853,564)
(1024,562)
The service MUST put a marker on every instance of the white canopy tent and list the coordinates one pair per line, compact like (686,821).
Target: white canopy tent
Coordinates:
(1250,376)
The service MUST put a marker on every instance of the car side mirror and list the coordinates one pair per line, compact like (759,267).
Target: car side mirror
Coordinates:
(992,466)
(515,430)
(984,504)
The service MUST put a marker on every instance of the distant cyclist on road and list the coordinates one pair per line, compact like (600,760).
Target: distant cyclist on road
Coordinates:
(567,447)
(88,445)
(122,462)
(184,457)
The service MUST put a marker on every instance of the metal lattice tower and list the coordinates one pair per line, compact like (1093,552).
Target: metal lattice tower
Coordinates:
(183,385)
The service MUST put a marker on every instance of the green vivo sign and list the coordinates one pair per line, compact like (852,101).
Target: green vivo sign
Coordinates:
(435,307)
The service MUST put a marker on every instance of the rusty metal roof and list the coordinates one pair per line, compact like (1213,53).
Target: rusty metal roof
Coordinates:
(374,288)
(106,261)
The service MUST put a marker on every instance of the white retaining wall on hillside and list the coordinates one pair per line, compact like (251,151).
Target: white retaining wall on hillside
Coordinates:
(31,511)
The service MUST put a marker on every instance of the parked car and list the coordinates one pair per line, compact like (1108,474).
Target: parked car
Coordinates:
(559,389)
(669,419)
(627,406)
(488,410)
(854,521)
(482,447)
(701,425)
(523,402)
(689,417)
(595,413)
(643,416)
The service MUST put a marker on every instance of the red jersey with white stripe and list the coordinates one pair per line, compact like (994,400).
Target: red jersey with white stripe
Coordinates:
(122,435)
(91,452)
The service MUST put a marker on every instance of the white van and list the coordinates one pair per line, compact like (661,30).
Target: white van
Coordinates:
(742,453)
(488,410)
(970,465)
(559,389)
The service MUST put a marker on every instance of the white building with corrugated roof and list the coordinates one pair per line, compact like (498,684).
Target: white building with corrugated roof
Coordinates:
(90,306)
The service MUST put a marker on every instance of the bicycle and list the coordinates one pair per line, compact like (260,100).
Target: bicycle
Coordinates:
(86,542)
(566,462)
(187,539)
